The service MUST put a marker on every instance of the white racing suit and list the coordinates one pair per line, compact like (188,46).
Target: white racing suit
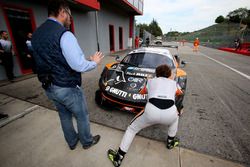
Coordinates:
(158,88)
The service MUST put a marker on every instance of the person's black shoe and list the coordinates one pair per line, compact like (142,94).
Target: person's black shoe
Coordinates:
(115,157)
(173,143)
(74,146)
(95,141)
(11,80)
(3,116)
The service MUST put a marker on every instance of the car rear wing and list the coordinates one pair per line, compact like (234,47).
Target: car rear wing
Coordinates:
(167,46)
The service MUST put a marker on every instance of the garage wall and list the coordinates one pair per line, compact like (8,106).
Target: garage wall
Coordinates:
(111,15)
(84,26)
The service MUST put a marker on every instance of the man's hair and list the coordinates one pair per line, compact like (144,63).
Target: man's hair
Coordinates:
(1,32)
(163,71)
(54,7)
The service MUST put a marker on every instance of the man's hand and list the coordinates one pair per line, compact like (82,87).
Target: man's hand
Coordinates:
(97,57)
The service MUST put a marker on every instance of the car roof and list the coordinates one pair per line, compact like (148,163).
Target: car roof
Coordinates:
(161,51)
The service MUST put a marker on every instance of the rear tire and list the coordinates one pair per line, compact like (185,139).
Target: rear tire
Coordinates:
(98,97)
(179,103)
(100,101)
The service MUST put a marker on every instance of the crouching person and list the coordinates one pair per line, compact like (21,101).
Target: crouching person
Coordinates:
(160,109)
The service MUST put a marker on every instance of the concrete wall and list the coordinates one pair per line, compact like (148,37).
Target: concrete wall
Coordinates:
(85,31)
(84,26)
(110,15)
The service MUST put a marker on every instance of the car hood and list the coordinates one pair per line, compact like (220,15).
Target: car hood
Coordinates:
(126,82)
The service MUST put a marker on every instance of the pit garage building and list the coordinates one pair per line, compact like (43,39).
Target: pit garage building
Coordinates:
(105,25)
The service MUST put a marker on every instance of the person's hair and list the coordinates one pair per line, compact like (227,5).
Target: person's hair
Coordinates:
(54,7)
(163,71)
(1,32)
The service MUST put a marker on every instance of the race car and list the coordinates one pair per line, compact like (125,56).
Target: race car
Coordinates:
(121,83)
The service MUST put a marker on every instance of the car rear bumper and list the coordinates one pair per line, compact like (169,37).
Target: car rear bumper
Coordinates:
(122,105)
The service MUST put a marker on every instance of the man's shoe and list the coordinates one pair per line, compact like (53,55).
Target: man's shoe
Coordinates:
(173,143)
(74,146)
(3,116)
(95,141)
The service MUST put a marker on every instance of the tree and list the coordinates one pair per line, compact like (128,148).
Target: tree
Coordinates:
(247,19)
(238,15)
(142,27)
(219,19)
(154,28)
(173,34)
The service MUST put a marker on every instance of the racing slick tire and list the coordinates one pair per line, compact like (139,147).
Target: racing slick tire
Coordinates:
(99,100)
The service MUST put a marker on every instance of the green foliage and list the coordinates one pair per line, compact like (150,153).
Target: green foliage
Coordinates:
(223,34)
(175,34)
(246,21)
(238,15)
(142,27)
(153,28)
(218,35)
(219,19)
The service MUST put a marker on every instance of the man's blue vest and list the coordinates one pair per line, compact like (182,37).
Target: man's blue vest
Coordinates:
(48,56)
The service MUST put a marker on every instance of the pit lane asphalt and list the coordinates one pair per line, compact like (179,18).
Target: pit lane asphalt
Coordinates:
(216,120)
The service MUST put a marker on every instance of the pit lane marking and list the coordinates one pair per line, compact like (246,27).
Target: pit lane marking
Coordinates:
(241,73)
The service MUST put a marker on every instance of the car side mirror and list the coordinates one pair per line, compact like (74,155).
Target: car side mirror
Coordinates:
(183,63)
(117,58)
(177,58)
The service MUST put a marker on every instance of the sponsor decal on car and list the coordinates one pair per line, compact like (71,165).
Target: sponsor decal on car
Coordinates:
(119,78)
(137,80)
(133,85)
(116,91)
(124,94)
(141,69)
(114,66)
(139,74)
(139,96)
(142,74)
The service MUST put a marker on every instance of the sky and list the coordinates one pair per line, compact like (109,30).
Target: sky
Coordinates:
(187,15)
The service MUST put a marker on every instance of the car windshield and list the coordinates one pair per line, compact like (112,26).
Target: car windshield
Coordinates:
(147,60)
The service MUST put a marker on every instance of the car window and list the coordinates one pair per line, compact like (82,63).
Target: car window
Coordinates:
(147,60)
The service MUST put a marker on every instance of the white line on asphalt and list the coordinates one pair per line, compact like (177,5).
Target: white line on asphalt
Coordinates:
(15,117)
(241,73)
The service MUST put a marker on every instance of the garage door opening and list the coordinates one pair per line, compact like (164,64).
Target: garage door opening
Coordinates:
(120,38)
(111,38)
(20,22)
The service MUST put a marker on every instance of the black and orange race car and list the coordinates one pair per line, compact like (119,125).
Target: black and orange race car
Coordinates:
(121,83)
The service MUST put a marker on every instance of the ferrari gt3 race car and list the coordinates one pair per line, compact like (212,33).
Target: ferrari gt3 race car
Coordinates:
(121,82)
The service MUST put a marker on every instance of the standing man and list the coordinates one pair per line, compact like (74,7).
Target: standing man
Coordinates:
(136,42)
(238,44)
(147,41)
(60,61)
(7,53)
(29,52)
(196,45)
